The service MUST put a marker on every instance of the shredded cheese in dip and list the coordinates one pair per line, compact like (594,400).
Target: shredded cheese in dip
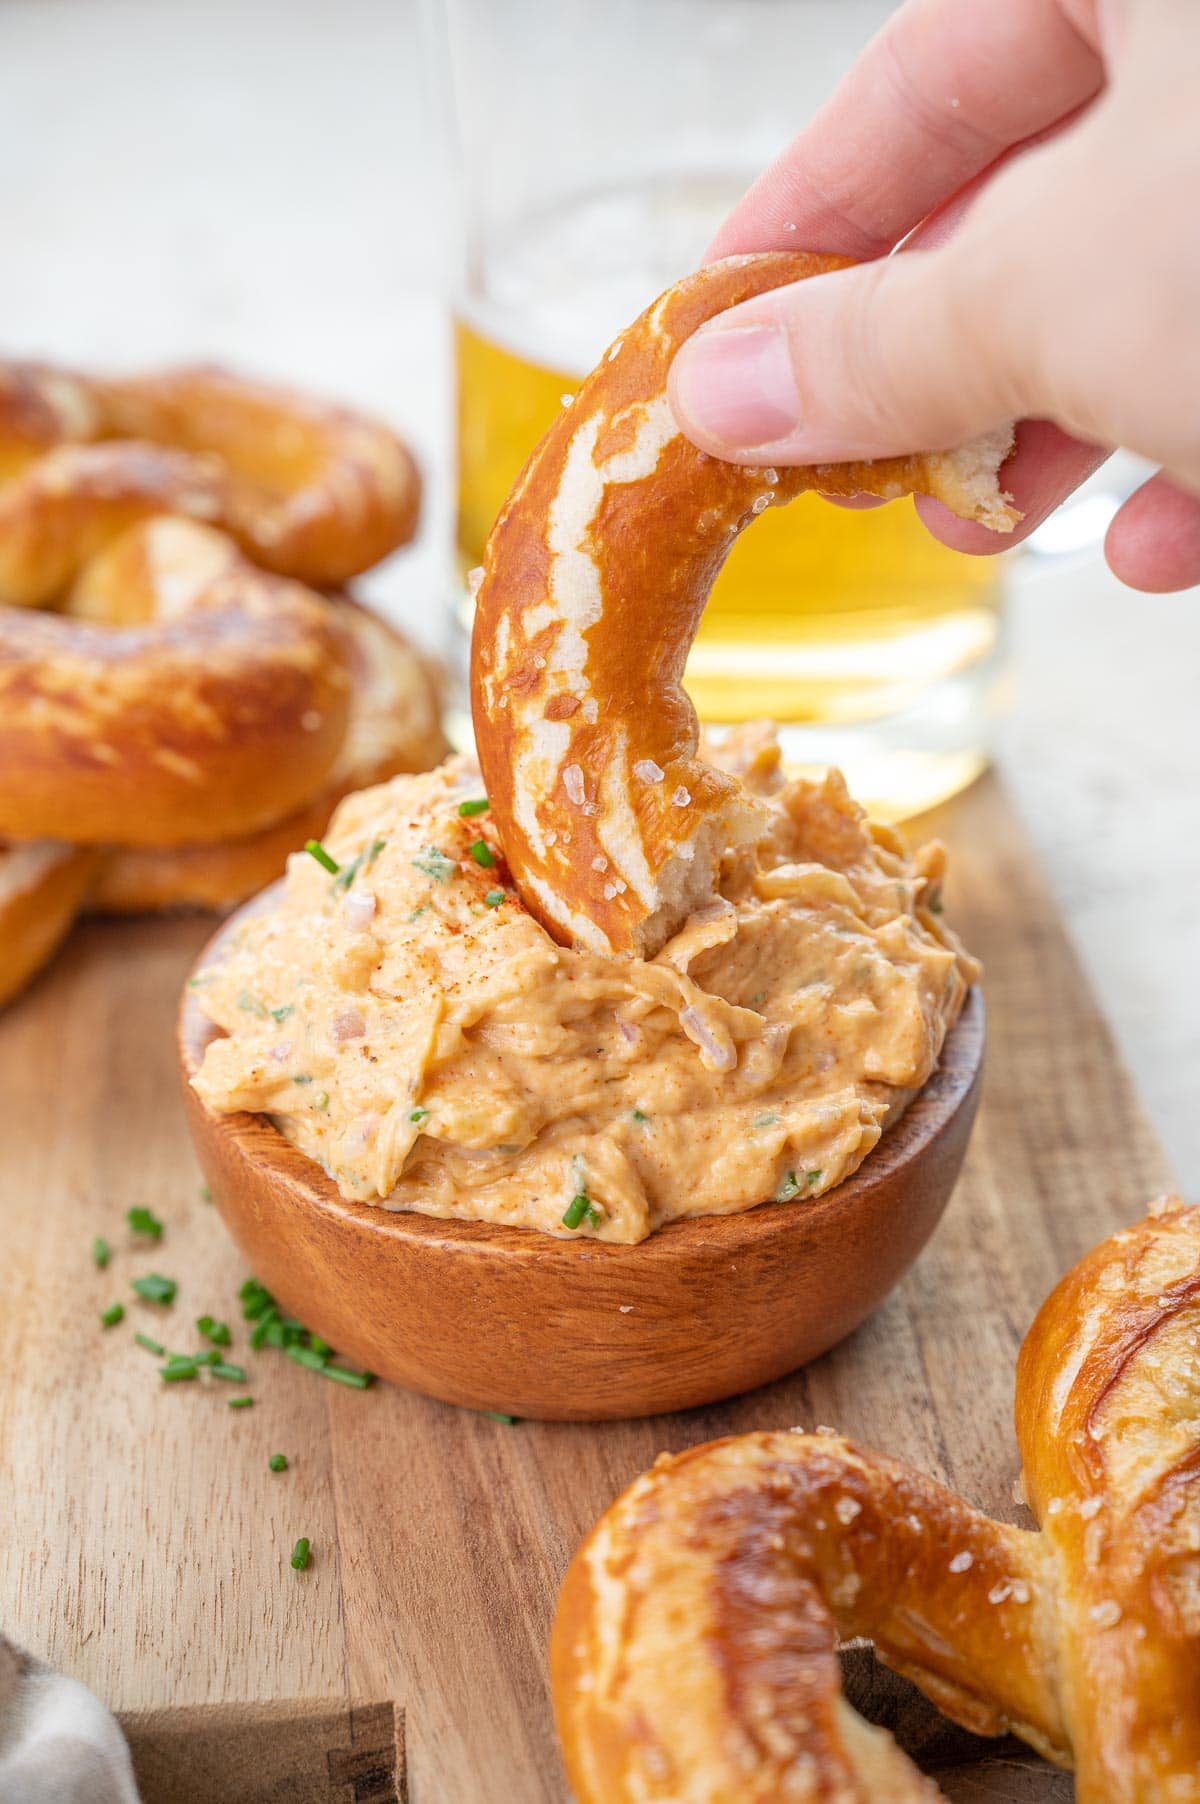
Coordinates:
(409,1025)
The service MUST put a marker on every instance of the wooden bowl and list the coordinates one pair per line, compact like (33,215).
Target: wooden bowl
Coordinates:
(515,1320)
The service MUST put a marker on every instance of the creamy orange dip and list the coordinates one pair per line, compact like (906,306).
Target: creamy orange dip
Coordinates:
(407,1024)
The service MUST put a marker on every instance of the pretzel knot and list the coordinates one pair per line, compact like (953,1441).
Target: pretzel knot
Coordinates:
(593,583)
(191,698)
(694,1650)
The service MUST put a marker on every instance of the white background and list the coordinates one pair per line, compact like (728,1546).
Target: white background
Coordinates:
(255,180)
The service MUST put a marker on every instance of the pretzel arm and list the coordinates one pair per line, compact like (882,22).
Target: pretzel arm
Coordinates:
(594,580)
(697,1628)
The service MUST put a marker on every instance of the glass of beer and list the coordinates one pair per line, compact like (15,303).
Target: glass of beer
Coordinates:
(597,147)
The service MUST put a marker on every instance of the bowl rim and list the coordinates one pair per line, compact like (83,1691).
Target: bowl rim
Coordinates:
(258,1143)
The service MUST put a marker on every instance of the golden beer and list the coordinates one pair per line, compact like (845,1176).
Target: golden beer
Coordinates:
(868,642)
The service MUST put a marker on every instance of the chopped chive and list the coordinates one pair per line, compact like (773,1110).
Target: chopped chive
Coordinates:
(316,850)
(495,897)
(375,848)
(638,1116)
(308,1356)
(152,1346)
(321,1100)
(209,1357)
(933,900)
(282,1012)
(758,996)
(278,1462)
(319,1346)
(302,1553)
(144,1221)
(431,861)
(241,1403)
(101,1251)
(477,805)
(788,1187)
(178,1369)
(250,1004)
(205,1193)
(812,1177)
(482,853)
(496,1416)
(575,1211)
(217,1332)
(112,1315)
(155,1288)
(357,1381)
(262,1327)
(419,1115)
(766,1121)
(221,1368)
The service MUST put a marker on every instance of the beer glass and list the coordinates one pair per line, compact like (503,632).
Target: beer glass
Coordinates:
(595,148)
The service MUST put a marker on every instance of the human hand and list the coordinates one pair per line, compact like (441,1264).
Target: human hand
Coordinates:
(1048,154)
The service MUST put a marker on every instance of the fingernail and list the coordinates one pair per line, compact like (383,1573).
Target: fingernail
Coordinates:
(734,386)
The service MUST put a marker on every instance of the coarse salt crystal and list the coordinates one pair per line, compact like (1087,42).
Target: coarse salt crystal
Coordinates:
(625,1308)
(682,797)
(1091,1506)
(474,578)
(311,719)
(600,862)
(760,504)
(999,1594)
(567,400)
(1105,1615)
(550,836)
(962,1562)
(846,1509)
(771,476)
(610,890)
(359,909)
(572,778)
(646,771)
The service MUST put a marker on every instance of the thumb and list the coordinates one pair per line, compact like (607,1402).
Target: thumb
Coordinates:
(872,361)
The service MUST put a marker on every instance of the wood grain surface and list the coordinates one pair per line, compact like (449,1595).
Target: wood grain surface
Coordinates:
(146,1543)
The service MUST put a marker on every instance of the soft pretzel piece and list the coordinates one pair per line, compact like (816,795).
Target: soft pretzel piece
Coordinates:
(694,1652)
(395,726)
(308,490)
(42,887)
(594,580)
(221,712)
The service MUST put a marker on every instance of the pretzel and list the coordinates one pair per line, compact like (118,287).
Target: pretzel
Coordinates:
(219,714)
(394,726)
(307,490)
(42,887)
(694,1651)
(593,583)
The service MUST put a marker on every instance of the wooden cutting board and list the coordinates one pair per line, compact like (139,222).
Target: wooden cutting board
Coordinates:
(145,1543)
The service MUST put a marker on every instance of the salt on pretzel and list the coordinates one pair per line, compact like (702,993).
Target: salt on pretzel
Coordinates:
(308,490)
(593,583)
(394,726)
(42,887)
(694,1651)
(221,713)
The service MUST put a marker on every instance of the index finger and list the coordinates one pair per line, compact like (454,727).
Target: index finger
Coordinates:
(934,98)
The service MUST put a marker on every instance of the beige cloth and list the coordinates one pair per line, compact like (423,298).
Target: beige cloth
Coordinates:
(58,1743)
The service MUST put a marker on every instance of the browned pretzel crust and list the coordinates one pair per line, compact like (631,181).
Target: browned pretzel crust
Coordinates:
(693,1655)
(594,579)
(308,490)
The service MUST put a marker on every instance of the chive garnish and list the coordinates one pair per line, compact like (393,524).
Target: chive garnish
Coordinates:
(766,1121)
(357,1381)
(638,1116)
(933,900)
(205,1193)
(220,1368)
(419,1115)
(316,850)
(307,1356)
(495,897)
(155,1288)
(151,1346)
(112,1315)
(318,1345)
(250,1004)
(278,1462)
(812,1177)
(432,862)
(178,1369)
(256,1299)
(282,1012)
(211,1329)
(302,1553)
(788,1187)
(321,1100)
(496,1416)
(477,805)
(482,853)
(101,1251)
(241,1403)
(144,1221)
(575,1211)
